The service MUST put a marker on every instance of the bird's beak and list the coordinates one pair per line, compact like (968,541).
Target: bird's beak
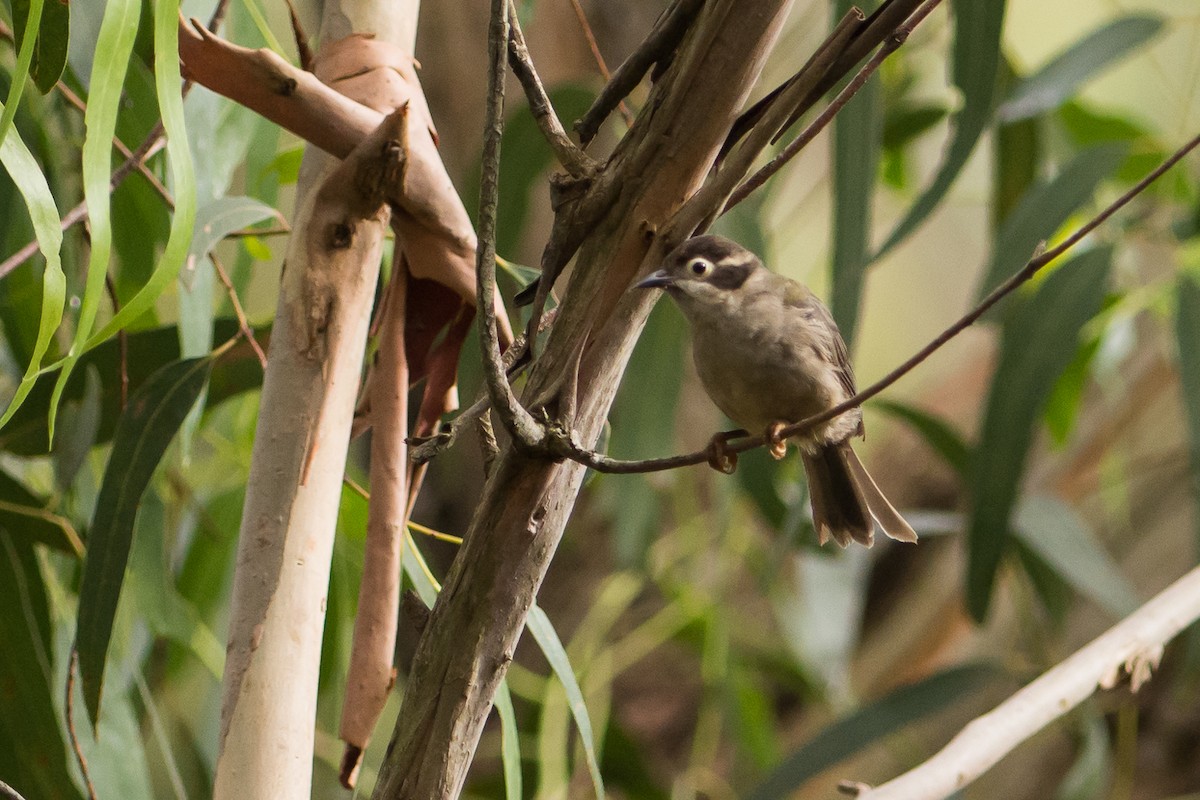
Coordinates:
(655,280)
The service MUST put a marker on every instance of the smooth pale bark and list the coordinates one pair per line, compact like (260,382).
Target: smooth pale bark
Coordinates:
(474,627)
(292,497)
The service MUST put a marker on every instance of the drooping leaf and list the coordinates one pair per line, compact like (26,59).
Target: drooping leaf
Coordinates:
(902,125)
(1062,407)
(149,350)
(1054,531)
(510,744)
(50,52)
(77,430)
(976,59)
(118,29)
(857,131)
(148,425)
(1039,340)
(1044,208)
(543,632)
(1187,343)
(30,25)
(219,218)
(1050,86)
(937,433)
(34,756)
(29,180)
(892,712)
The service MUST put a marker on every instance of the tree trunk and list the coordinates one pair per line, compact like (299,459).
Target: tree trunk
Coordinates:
(475,625)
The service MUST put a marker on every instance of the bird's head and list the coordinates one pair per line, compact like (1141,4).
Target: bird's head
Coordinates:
(704,272)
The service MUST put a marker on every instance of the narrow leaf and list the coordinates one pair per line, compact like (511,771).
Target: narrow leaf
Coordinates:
(149,423)
(32,23)
(30,181)
(118,29)
(976,61)
(1039,340)
(1050,86)
(936,432)
(857,132)
(1054,531)
(33,756)
(1187,338)
(169,85)
(510,745)
(50,53)
(892,712)
(1044,208)
(218,219)
(547,638)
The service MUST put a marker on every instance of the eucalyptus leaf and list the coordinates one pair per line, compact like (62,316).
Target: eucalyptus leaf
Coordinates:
(510,744)
(937,433)
(543,632)
(1089,776)
(1058,80)
(147,426)
(1044,208)
(216,220)
(978,26)
(894,711)
(52,36)
(1040,338)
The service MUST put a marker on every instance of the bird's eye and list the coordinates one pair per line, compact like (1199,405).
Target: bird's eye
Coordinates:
(700,267)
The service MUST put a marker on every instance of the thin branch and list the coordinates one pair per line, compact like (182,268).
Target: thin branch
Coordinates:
(9,793)
(243,323)
(574,160)
(568,448)
(601,65)
(1133,646)
(277,230)
(517,421)
(659,46)
(822,120)
(72,666)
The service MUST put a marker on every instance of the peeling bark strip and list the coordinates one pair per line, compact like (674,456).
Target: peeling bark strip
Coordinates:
(481,612)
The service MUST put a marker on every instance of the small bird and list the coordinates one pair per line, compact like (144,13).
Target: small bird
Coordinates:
(769,354)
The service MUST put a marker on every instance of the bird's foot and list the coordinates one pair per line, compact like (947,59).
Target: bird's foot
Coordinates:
(720,457)
(776,443)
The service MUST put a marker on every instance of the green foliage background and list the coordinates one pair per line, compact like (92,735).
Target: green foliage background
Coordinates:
(691,640)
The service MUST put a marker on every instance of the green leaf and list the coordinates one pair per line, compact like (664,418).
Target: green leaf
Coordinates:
(169,84)
(43,212)
(1062,407)
(1039,340)
(936,432)
(30,24)
(33,757)
(857,131)
(1050,86)
(29,518)
(543,632)
(1065,541)
(77,430)
(892,712)
(902,125)
(1088,777)
(510,744)
(1044,209)
(218,219)
(148,425)
(51,38)
(1187,343)
(118,30)
(977,32)
(149,350)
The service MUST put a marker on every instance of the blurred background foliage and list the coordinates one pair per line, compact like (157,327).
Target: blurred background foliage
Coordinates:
(695,643)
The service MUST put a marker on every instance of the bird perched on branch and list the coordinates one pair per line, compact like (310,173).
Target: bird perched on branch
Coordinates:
(769,354)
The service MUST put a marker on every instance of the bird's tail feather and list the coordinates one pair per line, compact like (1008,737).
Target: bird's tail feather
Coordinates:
(839,507)
(882,510)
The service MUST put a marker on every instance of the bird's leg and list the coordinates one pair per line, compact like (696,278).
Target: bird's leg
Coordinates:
(720,457)
(776,444)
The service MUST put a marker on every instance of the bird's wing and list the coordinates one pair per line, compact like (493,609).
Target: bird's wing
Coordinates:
(798,296)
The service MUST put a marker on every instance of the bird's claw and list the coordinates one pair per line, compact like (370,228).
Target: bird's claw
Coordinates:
(776,443)
(720,457)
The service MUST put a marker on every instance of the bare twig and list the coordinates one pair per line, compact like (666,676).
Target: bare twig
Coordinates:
(574,160)
(570,449)
(819,124)
(601,65)
(668,31)
(9,793)
(71,732)
(243,323)
(1133,646)
(517,421)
